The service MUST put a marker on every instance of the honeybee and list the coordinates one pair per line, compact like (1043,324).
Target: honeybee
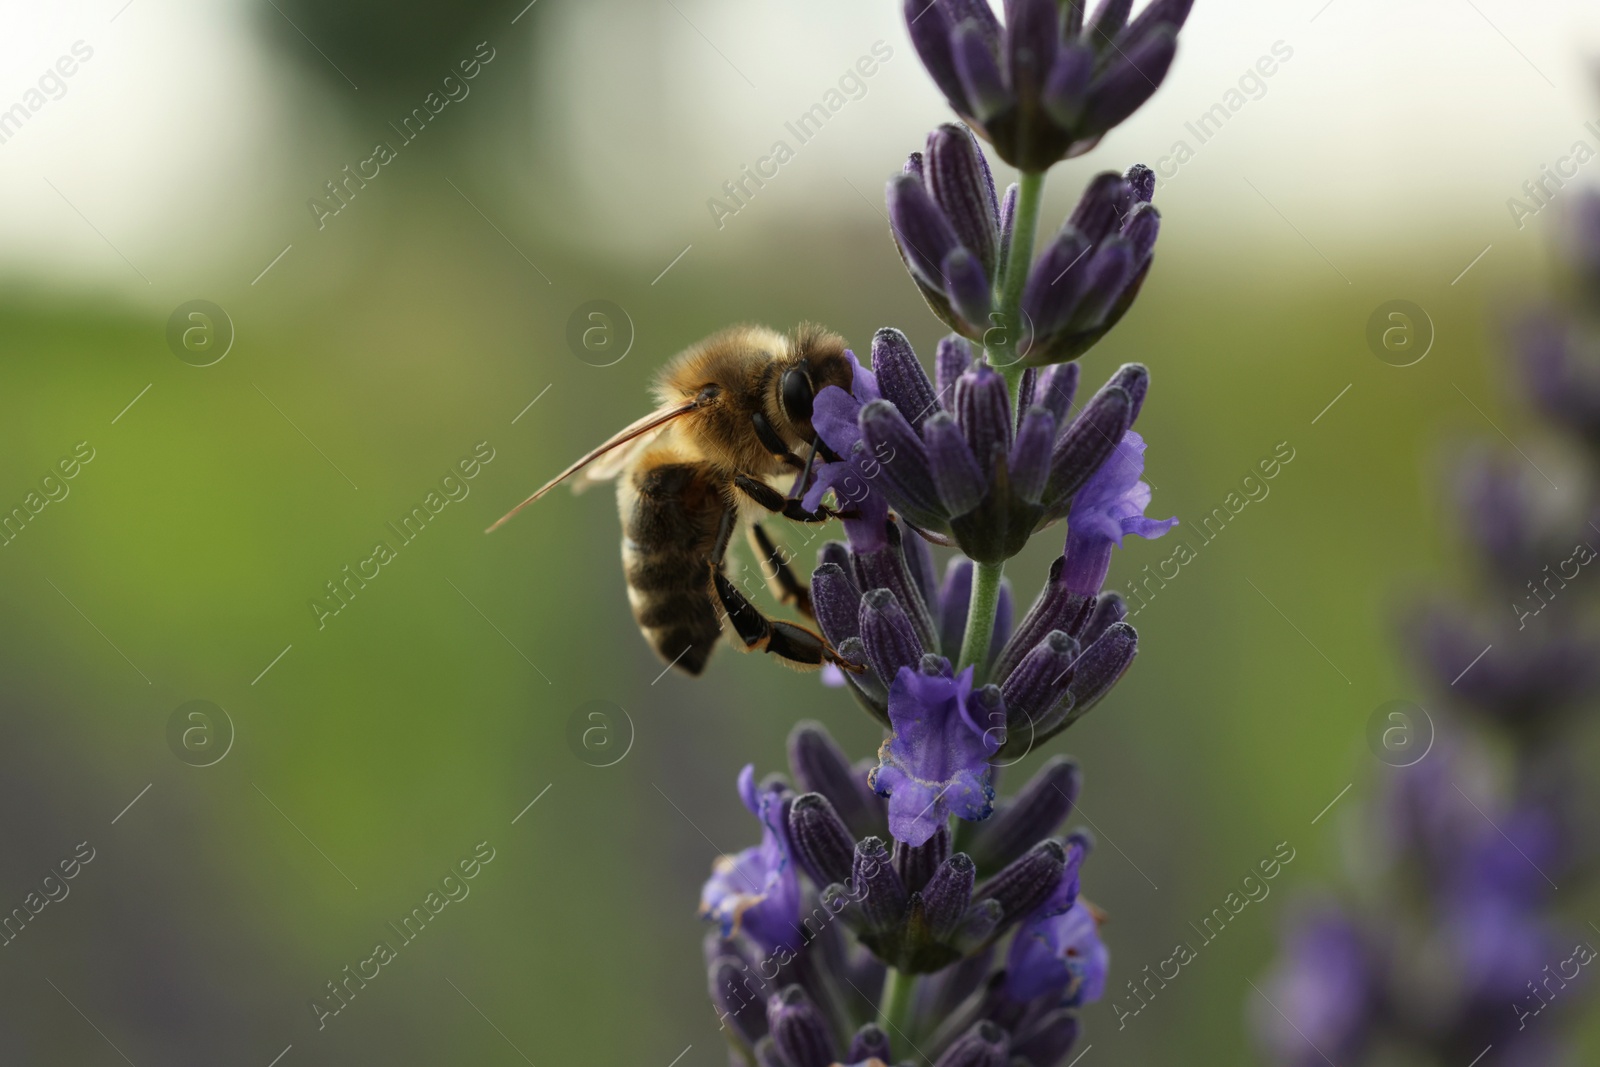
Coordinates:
(734,417)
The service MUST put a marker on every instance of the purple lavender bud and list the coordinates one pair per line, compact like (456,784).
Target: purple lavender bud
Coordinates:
(1133,379)
(979,74)
(1056,285)
(1105,202)
(876,886)
(901,379)
(1110,270)
(916,863)
(903,462)
(1109,608)
(868,689)
(1107,21)
(929,24)
(913,165)
(836,602)
(737,999)
(922,568)
(1032,31)
(948,894)
(953,357)
(958,178)
(1004,616)
(1037,687)
(961,483)
(1027,881)
(1050,1039)
(1030,455)
(1173,13)
(967,288)
(869,1043)
(799,1030)
(1130,79)
(1031,816)
(836,553)
(979,926)
(821,841)
(1025,387)
(1099,668)
(1058,384)
(1055,608)
(920,228)
(1141,230)
(890,639)
(888,568)
(983,410)
(1008,223)
(819,765)
(1066,90)
(1086,445)
(985,1045)
(955,596)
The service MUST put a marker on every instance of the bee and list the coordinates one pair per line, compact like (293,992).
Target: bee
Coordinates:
(734,417)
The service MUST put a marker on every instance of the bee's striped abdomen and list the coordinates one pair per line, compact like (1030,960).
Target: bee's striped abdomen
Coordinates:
(671,512)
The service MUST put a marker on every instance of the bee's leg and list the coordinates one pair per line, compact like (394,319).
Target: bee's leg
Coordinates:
(785,585)
(795,644)
(772,442)
(778,504)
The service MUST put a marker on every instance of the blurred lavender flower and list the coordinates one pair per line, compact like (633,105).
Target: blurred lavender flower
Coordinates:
(1045,86)
(1465,954)
(1324,987)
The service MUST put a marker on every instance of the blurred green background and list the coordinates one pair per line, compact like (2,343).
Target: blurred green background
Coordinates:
(374,752)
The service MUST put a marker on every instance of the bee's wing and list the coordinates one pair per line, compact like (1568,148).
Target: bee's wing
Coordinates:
(611,456)
(613,463)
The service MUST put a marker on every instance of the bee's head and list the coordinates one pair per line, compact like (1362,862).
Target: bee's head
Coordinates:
(818,361)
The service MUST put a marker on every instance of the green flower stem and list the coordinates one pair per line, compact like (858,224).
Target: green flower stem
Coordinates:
(1002,355)
(980,618)
(894,1015)
(1030,197)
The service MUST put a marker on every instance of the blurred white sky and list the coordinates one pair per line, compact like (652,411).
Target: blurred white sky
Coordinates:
(189,145)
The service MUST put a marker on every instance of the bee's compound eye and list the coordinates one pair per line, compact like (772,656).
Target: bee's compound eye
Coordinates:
(797,396)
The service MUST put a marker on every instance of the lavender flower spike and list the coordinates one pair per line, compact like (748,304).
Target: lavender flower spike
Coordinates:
(935,764)
(1045,86)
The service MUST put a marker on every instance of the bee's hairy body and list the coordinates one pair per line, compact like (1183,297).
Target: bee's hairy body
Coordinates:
(678,495)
